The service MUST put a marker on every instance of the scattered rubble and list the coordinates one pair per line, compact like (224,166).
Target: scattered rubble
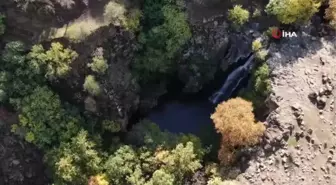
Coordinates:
(300,140)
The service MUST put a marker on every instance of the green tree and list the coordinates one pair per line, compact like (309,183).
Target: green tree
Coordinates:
(18,77)
(123,163)
(76,161)
(180,162)
(238,15)
(43,119)
(55,62)
(158,158)
(91,85)
(130,165)
(170,27)
(293,11)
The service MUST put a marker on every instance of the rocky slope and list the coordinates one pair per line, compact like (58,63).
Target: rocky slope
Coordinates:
(300,141)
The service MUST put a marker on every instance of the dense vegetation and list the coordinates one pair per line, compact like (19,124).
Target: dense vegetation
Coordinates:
(87,147)
(293,11)
(164,32)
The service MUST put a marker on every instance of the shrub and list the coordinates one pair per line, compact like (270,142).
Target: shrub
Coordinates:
(132,22)
(91,85)
(261,78)
(330,13)
(111,126)
(98,65)
(238,15)
(261,55)
(114,13)
(55,62)
(2,24)
(256,45)
(256,13)
(235,120)
(293,11)
(259,86)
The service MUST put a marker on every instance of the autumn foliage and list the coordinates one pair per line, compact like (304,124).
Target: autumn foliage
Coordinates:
(235,120)
(330,13)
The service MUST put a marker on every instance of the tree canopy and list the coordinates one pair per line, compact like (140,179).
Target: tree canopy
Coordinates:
(293,11)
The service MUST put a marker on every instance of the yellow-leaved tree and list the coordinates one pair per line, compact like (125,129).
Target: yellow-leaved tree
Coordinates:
(330,13)
(235,121)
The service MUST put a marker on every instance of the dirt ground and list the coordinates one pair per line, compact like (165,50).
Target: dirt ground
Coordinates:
(301,134)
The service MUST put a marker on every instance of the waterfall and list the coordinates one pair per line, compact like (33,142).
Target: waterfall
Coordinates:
(232,81)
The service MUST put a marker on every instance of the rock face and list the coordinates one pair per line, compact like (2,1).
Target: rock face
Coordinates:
(212,49)
(300,141)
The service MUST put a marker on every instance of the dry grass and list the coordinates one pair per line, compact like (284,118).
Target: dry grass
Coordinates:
(79,29)
(75,31)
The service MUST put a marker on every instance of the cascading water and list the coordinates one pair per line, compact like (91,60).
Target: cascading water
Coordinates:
(190,113)
(232,82)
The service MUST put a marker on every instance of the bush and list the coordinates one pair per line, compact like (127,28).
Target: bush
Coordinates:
(262,82)
(111,126)
(256,13)
(235,120)
(132,22)
(54,62)
(43,119)
(91,85)
(114,13)
(98,65)
(238,15)
(261,55)
(259,86)
(256,45)
(293,11)
(2,24)
(330,13)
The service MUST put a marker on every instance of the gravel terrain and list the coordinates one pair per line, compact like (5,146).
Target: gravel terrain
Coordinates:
(300,141)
